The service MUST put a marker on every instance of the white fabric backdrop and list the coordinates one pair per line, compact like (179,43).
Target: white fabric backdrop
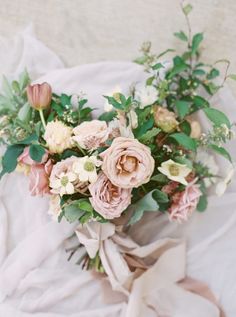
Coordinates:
(35,278)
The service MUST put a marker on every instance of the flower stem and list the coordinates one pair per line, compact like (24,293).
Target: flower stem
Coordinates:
(42,118)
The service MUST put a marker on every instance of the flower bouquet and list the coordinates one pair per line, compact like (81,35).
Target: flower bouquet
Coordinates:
(145,153)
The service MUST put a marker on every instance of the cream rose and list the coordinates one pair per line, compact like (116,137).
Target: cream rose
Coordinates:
(58,136)
(165,119)
(91,134)
(107,199)
(127,163)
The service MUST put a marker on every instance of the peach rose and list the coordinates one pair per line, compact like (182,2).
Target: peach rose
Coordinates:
(184,203)
(91,134)
(127,163)
(38,172)
(107,199)
(39,178)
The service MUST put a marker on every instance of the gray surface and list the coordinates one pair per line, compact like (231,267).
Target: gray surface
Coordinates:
(84,31)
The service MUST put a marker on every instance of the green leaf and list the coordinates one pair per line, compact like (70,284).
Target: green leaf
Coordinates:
(65,100)
(29,139)
(141,60)
(159,178)
(213,73)
(149,135)
(197,39)
(148,203)
(9,160)
(179,66)
(185,127)
(199,72)
(112,101)
(169,50)
(200,102)
(157,66)
(202,204)
(182,108)
(185,141)
(187,9)
(217,117)
(72,212)
(36,152)
(108,116)
(142,129)
(149,81)
(77,209)
(182,36)
(24,113)
(6,87)
(222,151)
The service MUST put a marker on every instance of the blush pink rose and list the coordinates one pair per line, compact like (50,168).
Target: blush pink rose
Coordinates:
(39,178)
(127,163)
(107,199)
(39,172)
(184,203)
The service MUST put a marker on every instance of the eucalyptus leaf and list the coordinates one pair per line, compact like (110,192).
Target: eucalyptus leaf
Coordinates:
(9,160)
(182,107)
(197,39)
(182,36)
(148,203)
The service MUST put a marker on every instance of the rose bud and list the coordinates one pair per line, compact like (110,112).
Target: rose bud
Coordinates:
(39,95)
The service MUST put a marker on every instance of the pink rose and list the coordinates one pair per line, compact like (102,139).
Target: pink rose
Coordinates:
(39,172)
(127,163)
(39,178)
(107,199)
(184,203)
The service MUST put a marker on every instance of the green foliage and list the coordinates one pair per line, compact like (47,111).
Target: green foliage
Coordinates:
(149,135)
(182,108)
(197,39)
(182,36)
(202,204)
(36,152)
(217,117)
(150,202)
(77,209)
(222,151)
(9,160)
(185,141)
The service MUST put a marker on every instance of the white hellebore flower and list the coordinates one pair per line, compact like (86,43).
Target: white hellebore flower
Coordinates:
(175,171)
(64,183)
(222,186)
(114,93)
(85,167)
(147,95)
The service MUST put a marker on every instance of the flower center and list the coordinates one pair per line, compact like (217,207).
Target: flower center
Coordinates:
(64,181)
(174,170)
(89,166)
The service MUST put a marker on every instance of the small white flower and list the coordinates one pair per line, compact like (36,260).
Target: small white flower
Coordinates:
(175,171)
(147,95)
(64,183)
(108,107)
(85,167)
(222,186)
